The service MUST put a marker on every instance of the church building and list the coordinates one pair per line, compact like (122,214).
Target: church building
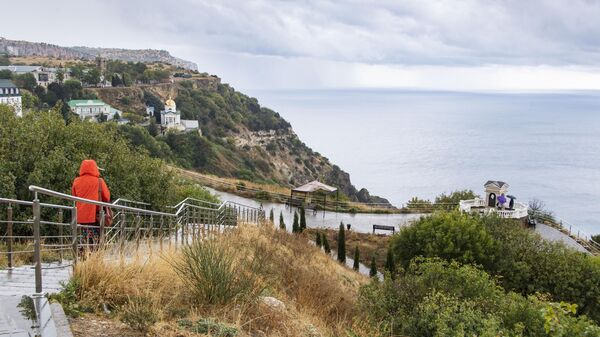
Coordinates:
(170,118)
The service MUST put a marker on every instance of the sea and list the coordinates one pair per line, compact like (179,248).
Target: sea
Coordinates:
(405,143)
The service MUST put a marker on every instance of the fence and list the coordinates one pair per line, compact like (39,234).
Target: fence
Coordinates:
(37,231)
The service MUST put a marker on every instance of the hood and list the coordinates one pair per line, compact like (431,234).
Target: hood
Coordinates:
(89,167)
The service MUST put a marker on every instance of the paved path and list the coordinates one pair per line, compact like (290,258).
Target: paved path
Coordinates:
(553,234)
(21,280)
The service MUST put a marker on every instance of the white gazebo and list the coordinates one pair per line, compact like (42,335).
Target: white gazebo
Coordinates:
(495,193)
(307,191)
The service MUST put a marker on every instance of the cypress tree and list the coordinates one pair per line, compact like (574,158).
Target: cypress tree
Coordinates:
(295,226)
(356,264)
(281,223)
(272,217)
(326,244)
(390,265)
(302,219)
(373,271)
(341,244)
(318,240)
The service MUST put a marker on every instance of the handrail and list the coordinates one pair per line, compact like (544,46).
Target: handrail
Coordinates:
(29,203)
(116,202)
(52,193)
(184,201)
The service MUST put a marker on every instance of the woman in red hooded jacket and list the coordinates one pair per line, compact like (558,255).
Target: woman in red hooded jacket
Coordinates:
(89,185)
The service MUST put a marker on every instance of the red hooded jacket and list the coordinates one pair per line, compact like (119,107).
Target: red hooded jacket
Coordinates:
(86,186)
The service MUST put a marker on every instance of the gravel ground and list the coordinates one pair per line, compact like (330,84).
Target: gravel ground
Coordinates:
(97,326)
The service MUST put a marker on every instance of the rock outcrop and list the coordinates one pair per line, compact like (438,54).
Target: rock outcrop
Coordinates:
(26,48)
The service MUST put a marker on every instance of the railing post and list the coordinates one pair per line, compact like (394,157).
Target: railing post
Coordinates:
(194,223)
(60,235)
(101,239)
(160,232)
(9,233)
(123,232)
(138,220)
(37,254)
(74,236)
(170,231)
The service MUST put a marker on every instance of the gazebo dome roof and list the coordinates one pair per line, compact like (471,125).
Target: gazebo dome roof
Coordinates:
(314,186)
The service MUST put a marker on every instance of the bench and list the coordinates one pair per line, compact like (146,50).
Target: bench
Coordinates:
(384,228)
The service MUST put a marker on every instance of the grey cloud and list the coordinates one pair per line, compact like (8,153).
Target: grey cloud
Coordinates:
(410,32)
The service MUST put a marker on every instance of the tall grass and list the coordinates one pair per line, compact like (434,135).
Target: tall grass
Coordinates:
(224,279)
(211,273)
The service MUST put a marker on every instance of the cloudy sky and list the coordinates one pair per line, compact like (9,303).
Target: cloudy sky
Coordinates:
(450,45)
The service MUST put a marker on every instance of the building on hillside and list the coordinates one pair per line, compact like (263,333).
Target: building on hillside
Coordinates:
(170,118)
(43,75)
(94,109)
(496,201)
(11,96)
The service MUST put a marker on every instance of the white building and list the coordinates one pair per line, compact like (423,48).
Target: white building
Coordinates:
(11,96)
(496,202)
(43,75)
(91,108)
(170,118)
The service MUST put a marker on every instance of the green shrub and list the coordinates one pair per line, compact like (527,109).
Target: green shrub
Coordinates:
(302,219)
(436,298)
(356,265)
(68,298)
(295,225)
(281,222)
(341,253)
(449,235)
(373,270)
(326,244)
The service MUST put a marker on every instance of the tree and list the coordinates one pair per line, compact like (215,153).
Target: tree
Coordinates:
(450,201)
(4,60)
(326,244)
(271,216)
(153,128)
(390,265)
(5,74)
(116,81)
(295,225)
(60,75)
(318,240)
(302,219)
(373,271)
(72,89)
(281,222)
(341,255)
(92,77)
(356,264)
(25,81)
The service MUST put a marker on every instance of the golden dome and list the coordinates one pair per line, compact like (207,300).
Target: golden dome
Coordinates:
(170,102)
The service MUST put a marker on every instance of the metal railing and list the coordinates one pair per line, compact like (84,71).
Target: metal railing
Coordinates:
(36,232)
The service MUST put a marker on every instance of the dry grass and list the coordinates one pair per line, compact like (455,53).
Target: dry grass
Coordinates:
(319,294)
(23,255)
(230,183)
(368,244)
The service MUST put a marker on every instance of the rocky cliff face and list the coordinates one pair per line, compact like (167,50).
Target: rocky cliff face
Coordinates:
(25,48)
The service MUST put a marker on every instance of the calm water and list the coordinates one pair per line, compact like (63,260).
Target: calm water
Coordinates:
(401,144)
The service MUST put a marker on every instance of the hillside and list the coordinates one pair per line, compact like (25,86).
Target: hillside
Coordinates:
(240,139)
(26,48)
